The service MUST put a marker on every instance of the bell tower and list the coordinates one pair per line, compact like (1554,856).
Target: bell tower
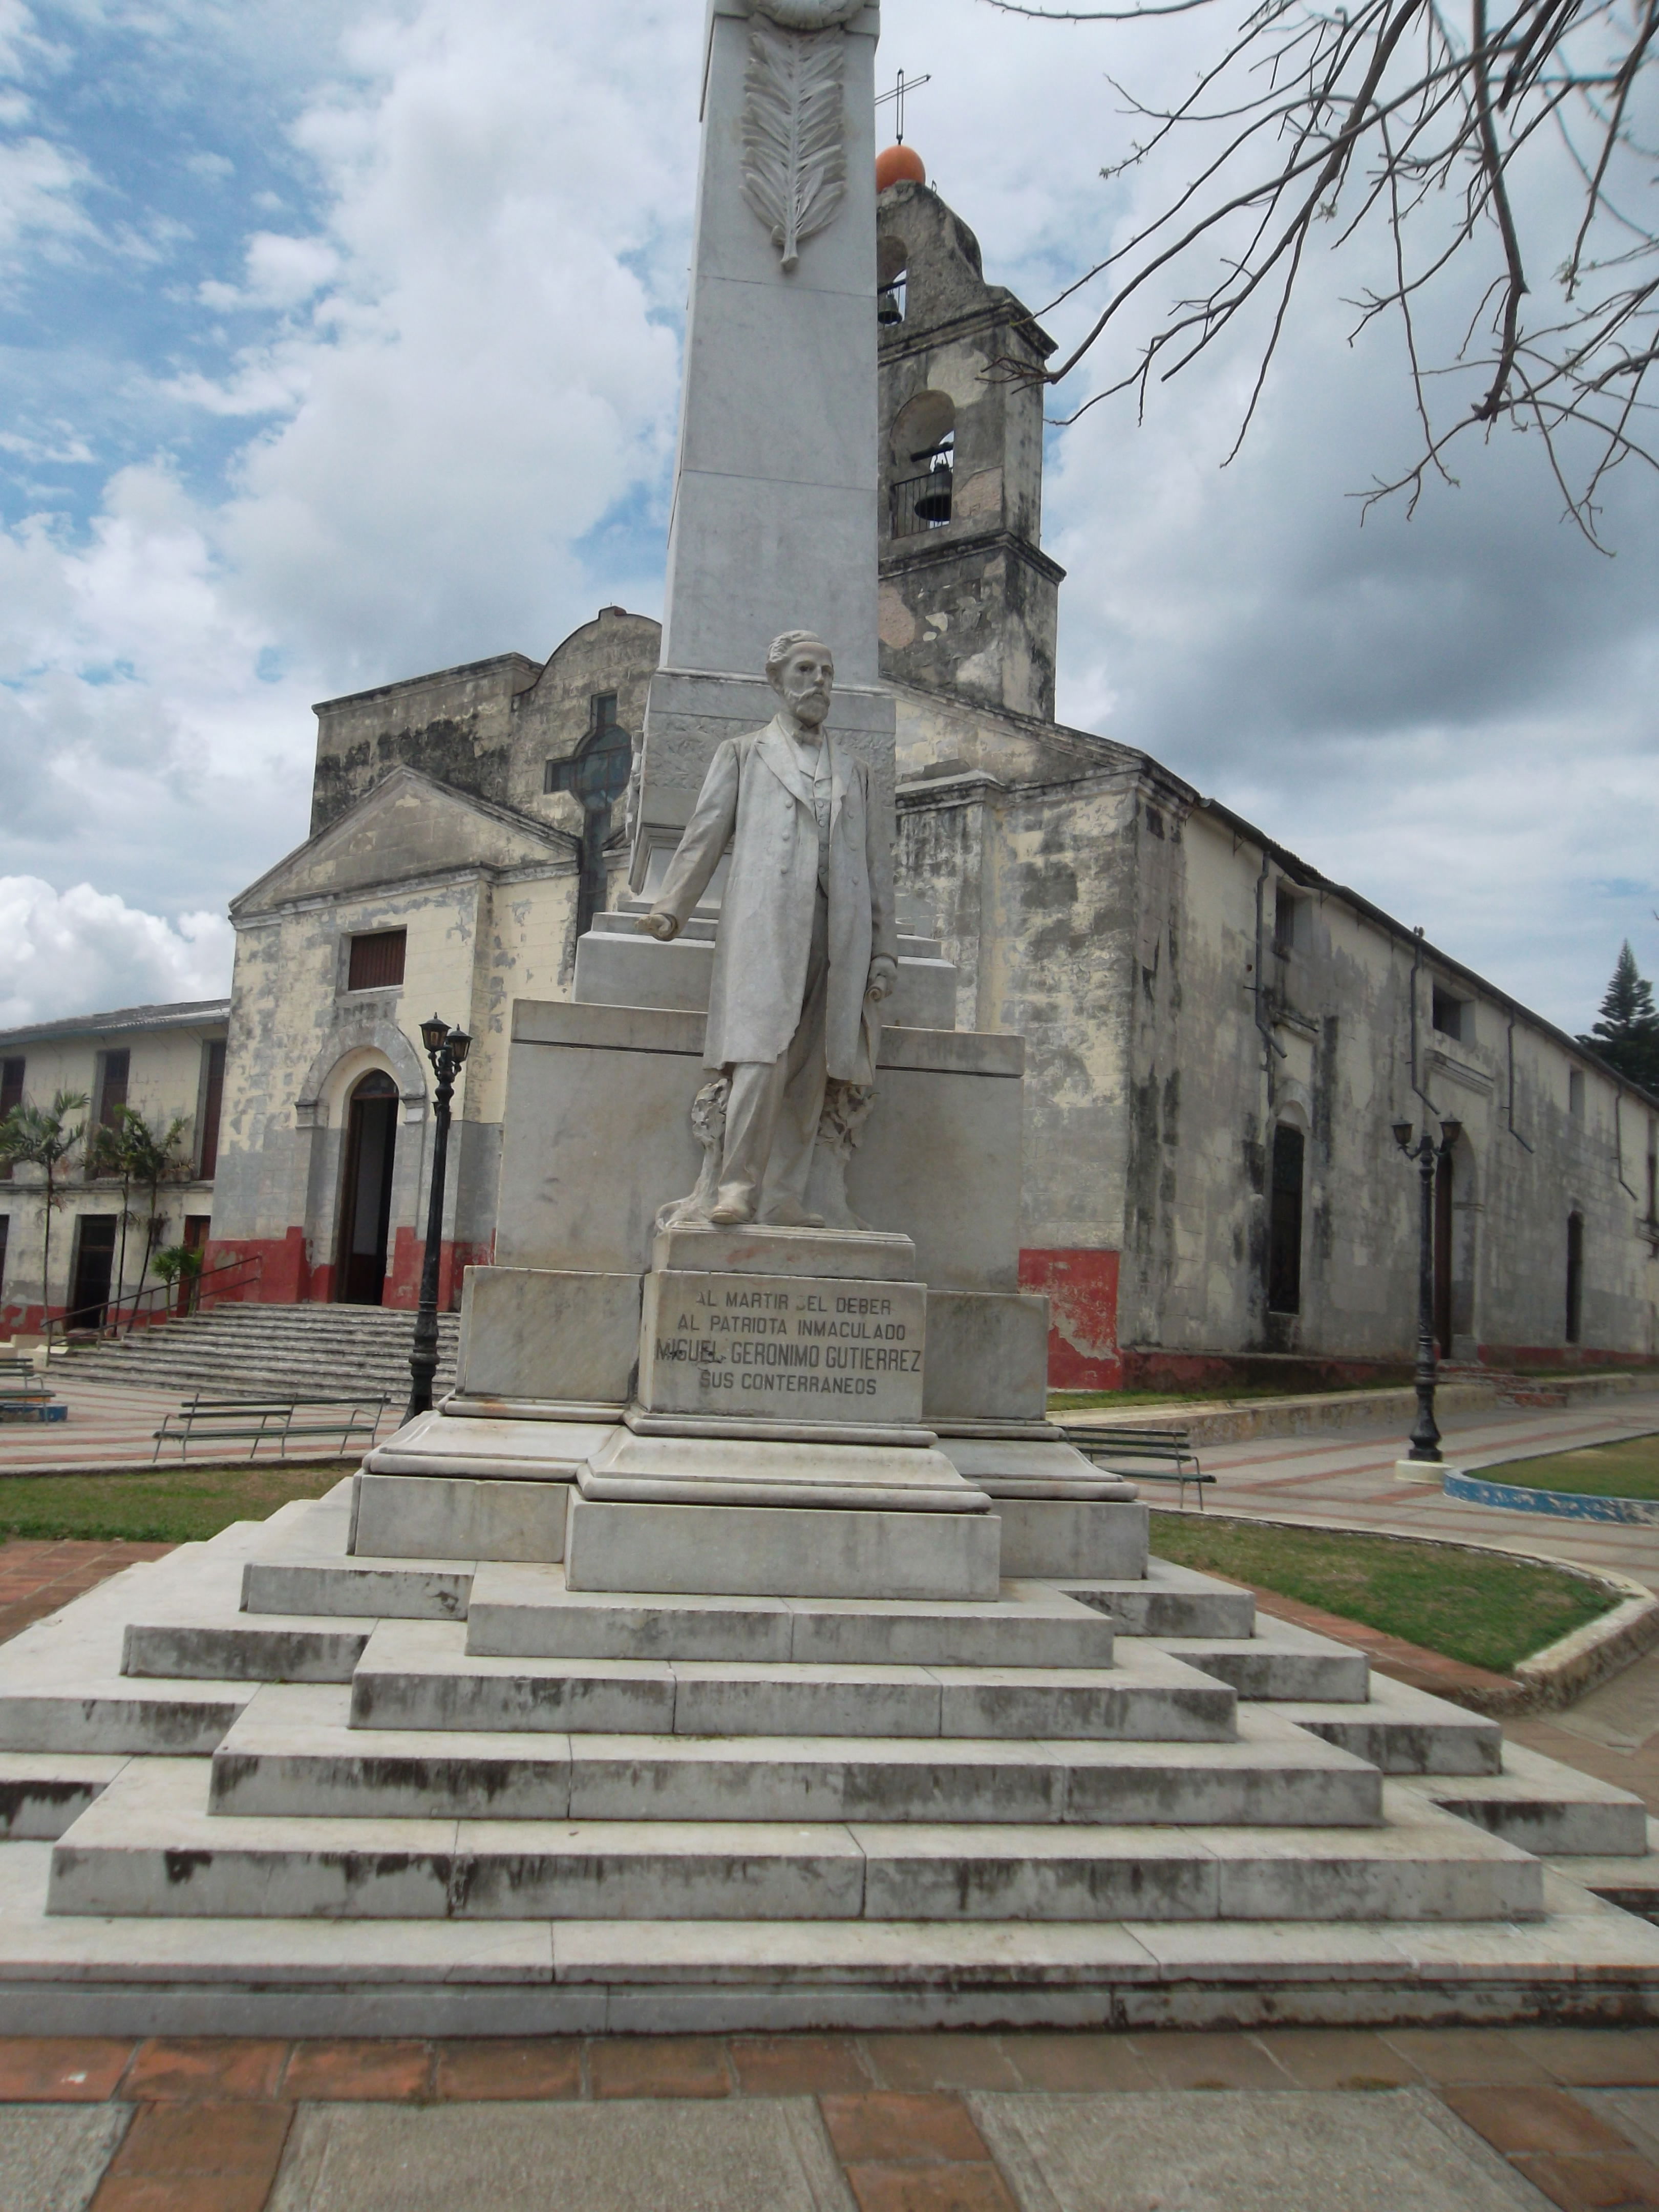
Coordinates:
(970,601)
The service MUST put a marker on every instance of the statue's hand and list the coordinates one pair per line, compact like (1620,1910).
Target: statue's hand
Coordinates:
(662,926)
(883,978)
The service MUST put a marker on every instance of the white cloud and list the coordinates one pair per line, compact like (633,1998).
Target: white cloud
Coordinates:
(456,358)
(282,272)
(453,378)
(39,201)
(84,950)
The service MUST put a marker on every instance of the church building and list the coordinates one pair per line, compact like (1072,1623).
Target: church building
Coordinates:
(1219,1041)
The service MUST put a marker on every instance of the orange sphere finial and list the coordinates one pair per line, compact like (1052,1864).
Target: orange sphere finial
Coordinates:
(900,165)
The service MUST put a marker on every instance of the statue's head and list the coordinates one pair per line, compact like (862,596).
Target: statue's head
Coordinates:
(801,669)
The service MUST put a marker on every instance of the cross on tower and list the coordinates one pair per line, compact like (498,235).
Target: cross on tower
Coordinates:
(902,84)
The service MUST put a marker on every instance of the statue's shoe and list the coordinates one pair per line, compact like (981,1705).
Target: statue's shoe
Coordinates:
(730,1213)
(793,1216)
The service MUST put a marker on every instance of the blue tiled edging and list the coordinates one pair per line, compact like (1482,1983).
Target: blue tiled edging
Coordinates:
(1566,1505)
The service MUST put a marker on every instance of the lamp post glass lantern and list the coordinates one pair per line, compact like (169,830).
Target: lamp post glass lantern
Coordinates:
(1428,1155)
(447,1048)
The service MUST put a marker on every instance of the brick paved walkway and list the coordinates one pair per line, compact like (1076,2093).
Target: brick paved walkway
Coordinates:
(210,2119)
(36,1578)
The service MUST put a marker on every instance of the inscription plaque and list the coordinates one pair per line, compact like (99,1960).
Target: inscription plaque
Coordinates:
(783,1347)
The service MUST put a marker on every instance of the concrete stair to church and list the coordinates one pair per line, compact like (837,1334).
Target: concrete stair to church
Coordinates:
(287,1351)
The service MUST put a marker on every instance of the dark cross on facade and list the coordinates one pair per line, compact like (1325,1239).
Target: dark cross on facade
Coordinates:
(597,772)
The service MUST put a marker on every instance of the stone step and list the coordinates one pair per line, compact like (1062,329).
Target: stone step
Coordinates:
(149,1845)
(360,1588)
(293,1752)
(419,1674)
(1404,1731)
(43,1793)
(1280,1661)
(111,1714)
(1549,1809)
(280,1978)
(1168,1600)
(241,1647)
(527,1612)
(1631,1881)
(289,1351)
(1172,1600)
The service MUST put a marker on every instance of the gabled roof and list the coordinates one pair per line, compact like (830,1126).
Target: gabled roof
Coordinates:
(182,1014)
(408,825)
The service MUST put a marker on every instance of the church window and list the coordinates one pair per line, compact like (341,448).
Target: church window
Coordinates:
(1290,920)
(1653,1170)
(1452,1017)
(924,440)
(377,960)
(213,1101)
(11,1094)
(1576,1093)
(597,774)
(1284,1222)
(114,1071)
(1575,1278)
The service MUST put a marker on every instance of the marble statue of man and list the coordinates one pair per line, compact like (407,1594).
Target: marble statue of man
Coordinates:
(805,948)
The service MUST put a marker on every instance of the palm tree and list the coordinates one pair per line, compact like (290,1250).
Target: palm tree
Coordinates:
(39,1137)
(151,1157)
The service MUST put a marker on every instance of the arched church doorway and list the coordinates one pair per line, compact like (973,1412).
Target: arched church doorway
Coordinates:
(366,1199)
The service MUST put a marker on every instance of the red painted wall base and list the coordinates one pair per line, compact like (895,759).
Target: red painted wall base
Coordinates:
(1081,1287)
(288,1279)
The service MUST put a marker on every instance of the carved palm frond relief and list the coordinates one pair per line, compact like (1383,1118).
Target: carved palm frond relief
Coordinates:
(794,144)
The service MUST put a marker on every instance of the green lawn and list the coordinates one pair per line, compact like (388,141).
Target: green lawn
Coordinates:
(1627,1469)
(1474,1606)
(154,1505)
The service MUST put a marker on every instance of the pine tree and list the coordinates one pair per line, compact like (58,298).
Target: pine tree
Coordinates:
(1627,1035)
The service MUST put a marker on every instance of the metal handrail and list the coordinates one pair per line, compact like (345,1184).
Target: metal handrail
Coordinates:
(111,1326)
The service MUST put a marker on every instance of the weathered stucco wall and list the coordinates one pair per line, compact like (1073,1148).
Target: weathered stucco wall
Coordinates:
(1185,987)
(487,901)
(488,728)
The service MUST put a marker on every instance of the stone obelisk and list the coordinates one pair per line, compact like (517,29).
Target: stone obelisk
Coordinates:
(773,523)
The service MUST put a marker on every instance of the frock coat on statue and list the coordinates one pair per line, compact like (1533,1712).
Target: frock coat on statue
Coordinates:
(755,799)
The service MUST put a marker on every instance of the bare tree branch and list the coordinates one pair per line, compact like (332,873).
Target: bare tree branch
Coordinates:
(1308,117)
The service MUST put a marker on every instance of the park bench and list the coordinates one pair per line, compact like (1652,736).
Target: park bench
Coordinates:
(23,1391)
(217,1421)
(1110,1447)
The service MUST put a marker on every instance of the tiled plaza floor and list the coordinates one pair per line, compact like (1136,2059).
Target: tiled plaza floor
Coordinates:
(1350,1482)
(1463,2118)
(110,1428)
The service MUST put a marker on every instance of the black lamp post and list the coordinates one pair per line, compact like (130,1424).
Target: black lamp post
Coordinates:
(1426,1436)
(447,1048)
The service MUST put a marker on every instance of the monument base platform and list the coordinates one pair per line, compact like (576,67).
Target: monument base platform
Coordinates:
(770,1551)
(265,1786)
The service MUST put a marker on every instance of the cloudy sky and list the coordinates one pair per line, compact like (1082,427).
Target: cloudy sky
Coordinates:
(339,339)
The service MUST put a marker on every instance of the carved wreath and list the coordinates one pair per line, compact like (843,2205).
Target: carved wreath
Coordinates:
(794,143)
(809,15)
